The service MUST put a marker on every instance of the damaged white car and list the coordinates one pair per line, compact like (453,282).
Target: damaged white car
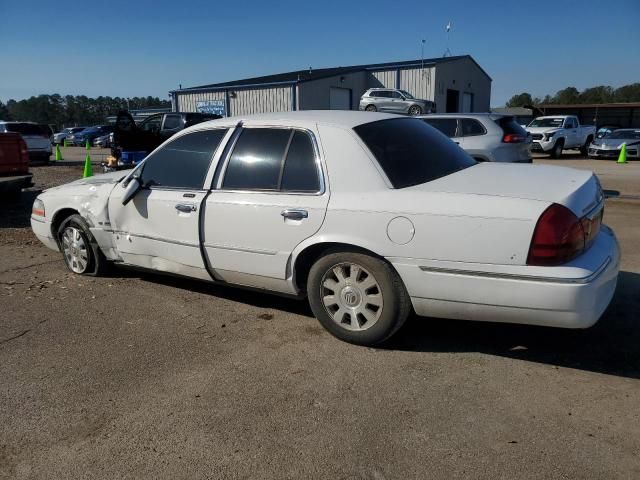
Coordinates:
(369,215)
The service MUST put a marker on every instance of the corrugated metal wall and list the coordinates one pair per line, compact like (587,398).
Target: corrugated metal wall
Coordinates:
(261,100)
(386,78)
(186,102)
(418,82)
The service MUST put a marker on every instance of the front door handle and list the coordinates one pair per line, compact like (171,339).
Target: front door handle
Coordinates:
(294,214)
(186,207)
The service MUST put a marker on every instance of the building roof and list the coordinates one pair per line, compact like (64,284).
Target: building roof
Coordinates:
(300,76)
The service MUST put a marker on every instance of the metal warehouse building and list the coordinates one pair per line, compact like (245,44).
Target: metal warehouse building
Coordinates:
(455,84)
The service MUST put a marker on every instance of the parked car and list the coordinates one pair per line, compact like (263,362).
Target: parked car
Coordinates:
(59,138)
(393,100)
(14,164)
(103,141)
(388,216)
(553,134)
(37,139)
(48,130)
(609,146)
(487,137)
(152,131)
(90,134)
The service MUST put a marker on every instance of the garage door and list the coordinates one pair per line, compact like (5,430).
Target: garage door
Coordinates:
(340,98)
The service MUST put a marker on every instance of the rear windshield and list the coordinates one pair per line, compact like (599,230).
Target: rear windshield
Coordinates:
(411,152)
(510,125)
(24,128)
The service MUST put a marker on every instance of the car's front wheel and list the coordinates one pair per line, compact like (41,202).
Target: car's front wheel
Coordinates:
(357,297)
(79,249)
(556,151)
(415,110)
(584,149)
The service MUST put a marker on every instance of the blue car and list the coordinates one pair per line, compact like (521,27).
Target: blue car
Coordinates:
(90,134)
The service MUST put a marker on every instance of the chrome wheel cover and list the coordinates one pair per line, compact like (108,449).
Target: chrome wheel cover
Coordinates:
(351,296)
(74,250)
(415,110)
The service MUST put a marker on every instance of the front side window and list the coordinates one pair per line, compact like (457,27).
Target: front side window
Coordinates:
(184,162)
(448,126)
(171,122)
(396,95)
(151,124)
(410,152)
(272,159)
(471,127)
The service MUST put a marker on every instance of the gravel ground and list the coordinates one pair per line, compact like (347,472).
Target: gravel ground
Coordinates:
(140,375)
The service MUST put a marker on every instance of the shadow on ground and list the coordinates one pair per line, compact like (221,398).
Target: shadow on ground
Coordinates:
(611,347)
(16,212)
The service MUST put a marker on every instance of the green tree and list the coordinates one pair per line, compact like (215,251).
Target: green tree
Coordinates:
(4,112)
(599,94)
(569,95)
(520,100)
(627,93)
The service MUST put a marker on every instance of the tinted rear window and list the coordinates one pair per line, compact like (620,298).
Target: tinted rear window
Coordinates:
(448,126)
(509,125)
(25,128)
(411,152)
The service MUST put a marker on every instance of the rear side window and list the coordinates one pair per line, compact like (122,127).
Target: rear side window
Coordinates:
(256,159)
(411,152)
(509,125)
(184,162)
(470,127)
(448,126)
(274,160)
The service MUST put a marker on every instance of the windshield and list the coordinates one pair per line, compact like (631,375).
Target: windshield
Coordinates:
(406,94)
(630,134)
(547,122)
(411,152)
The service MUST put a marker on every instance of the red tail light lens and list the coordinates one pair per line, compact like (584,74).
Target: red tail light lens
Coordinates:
(559,237)
(513,138)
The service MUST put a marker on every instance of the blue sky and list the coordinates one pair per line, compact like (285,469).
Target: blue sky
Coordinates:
(142,47)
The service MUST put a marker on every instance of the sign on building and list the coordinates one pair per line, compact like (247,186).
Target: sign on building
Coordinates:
(217,107)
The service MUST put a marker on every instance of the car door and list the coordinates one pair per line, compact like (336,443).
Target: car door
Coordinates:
(397,103)
(472,138)
(159,227)
(269,197)
(571,132)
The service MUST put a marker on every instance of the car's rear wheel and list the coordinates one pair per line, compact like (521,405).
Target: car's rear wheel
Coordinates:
(79,249)
(415,110)
(584,149)
(371,108)
(357,297)
(556,151)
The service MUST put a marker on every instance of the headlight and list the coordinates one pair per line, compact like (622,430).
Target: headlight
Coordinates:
(550,134)
(38,208)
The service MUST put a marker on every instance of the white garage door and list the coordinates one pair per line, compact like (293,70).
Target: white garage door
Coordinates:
(340,98)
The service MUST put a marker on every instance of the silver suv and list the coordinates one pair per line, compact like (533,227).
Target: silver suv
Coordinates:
(392,100)
(487,137)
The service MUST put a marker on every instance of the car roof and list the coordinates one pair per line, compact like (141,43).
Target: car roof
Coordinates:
(341,118)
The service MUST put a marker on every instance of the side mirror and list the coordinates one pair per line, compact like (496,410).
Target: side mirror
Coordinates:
(131,189)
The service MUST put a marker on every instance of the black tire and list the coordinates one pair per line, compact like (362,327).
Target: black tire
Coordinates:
(556,151)
(96,263)
(584,149)
(415,110)
(396,304)
(371,108)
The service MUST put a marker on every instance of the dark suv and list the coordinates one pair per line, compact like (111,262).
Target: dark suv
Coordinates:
(152,131)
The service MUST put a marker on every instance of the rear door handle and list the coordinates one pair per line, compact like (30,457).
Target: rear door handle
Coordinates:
(186,207)
(294,214)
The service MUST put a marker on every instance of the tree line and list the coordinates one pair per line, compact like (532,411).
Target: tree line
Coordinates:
(73,110)
(571,95)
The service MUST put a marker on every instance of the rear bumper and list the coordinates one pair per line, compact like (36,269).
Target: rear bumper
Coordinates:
(571,296)
(42,229)
(15,183)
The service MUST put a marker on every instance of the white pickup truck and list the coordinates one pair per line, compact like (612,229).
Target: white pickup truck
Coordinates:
(553,134)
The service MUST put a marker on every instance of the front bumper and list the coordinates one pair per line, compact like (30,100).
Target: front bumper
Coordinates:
(571,296)
(542,145)
(612,153)
(42,230)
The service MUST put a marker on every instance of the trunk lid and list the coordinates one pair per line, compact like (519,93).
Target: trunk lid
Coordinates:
(578,190)
(13,155)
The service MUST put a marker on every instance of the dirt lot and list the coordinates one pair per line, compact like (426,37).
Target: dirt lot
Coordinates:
(141,375)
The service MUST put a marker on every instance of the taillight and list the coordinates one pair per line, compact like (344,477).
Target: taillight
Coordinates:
(559,237)
(24,151)
(513,138)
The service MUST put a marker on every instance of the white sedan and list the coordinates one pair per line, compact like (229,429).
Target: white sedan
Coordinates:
(369,215)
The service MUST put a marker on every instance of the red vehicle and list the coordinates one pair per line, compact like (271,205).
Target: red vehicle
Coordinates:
(14,164)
